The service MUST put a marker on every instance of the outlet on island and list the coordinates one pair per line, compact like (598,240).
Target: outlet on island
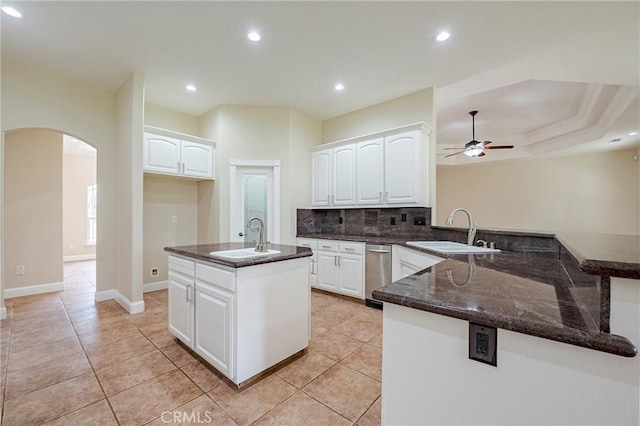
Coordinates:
(19,270)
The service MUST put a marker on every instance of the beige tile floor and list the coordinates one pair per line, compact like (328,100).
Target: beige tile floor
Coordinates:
(66,360)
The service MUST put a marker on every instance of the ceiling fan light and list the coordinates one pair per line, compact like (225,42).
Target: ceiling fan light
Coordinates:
(473,151)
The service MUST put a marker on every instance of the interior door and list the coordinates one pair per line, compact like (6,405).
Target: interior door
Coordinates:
(254,197)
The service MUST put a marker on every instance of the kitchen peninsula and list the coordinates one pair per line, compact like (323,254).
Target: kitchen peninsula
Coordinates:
(241,311)
(538,305)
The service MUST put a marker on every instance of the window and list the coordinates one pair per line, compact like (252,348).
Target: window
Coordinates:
(92,203)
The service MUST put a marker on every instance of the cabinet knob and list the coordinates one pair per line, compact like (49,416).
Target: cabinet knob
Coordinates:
(240,234)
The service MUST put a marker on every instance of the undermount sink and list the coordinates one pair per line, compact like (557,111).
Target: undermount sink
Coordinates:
(239,254)
(449,247)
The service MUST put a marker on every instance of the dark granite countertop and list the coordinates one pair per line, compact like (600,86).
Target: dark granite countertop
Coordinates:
(604,254)
(201,251)
(526,292)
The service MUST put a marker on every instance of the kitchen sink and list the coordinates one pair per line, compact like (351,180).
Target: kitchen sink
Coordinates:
(450,247)
(240,254)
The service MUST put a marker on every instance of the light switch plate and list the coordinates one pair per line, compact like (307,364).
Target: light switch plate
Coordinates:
(483,344)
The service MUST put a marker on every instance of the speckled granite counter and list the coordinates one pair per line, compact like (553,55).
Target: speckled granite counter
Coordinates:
(530,293)
(201,251)
(604,254)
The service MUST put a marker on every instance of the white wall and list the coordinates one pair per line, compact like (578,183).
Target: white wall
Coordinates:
(130,123)
(33,207)
(33,98)
(586,193)
(416,107)
(257,133)
(429,380)
(78,172)
(165,118)
(164,198)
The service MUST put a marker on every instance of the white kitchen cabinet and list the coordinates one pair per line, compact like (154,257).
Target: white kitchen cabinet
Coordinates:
(343,175)
(405,262)
(370,172)
(334,172)
(340,267)
(171,153)
(402,177)
(181,284)
(391,168)
(213,316)
(313,264)
(231,317)
(321,181)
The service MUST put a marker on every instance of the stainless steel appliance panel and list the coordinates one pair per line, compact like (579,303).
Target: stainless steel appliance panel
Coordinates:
(377,271)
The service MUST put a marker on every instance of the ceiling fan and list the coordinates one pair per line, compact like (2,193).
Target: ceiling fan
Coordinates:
(475,148)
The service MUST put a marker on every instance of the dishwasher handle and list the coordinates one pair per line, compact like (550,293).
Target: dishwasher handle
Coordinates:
(378,251)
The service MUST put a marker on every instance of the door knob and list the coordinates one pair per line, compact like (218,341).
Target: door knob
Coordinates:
(240,234)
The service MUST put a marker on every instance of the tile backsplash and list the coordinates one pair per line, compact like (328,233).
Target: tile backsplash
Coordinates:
(379,222)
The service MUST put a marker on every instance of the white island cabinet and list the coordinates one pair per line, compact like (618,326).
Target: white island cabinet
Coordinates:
(242,320)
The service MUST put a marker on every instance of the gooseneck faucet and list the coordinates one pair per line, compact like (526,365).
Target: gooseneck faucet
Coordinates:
(261,245)
(472,225)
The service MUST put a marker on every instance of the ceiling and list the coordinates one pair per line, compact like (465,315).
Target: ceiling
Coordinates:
(502,58)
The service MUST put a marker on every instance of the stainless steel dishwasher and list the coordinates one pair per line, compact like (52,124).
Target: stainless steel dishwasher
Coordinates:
(377,271)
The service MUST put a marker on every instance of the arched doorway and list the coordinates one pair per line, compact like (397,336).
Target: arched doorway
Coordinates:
(33,210)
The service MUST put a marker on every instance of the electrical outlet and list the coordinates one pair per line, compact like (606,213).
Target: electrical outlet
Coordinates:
(340,220)
(19,270)
(154,272)
(483,342)
(393,220)
(174,219)
(420,221)
(403,217)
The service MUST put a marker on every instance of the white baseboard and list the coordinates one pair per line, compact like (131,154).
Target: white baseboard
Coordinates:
(33,289)
(3,313)
(158,285)
(131,307)
(75,258)
(101,296)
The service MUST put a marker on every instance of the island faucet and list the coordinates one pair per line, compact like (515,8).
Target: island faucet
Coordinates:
(472,224)
(261,245)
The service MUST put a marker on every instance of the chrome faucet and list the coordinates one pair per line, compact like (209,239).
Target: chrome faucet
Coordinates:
(472,224)
(261,245)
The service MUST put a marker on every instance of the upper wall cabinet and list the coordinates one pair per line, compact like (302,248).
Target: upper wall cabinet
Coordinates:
(334,172)
(393,168)
(177,154)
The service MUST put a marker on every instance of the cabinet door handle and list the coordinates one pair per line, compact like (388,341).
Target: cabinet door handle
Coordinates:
(349,249)
(380,196)
(338,260)
(335,260)
(186,293)
(179,166)
(387,197)
(327,247)
(183,167)
(328,199)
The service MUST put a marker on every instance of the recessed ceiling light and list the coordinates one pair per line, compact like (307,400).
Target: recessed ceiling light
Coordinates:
(339,86)
(254,36)
(442,36)
(632,133)
(11,11)
(190,87)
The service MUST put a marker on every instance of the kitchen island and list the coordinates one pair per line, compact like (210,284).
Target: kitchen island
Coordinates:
(566,340)
(241,315)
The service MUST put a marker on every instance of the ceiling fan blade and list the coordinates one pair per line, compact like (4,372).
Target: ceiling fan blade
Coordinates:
(485,143)
(453,148)
(455,153)
(482,154)
(499,147)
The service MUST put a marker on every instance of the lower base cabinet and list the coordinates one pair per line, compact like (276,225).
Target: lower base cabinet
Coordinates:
(405,262)
(338,266)
(240,320)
